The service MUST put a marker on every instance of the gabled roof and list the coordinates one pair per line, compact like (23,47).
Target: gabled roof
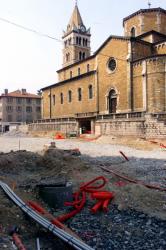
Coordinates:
(151,32)
(75,78)
(19,93)
(144,11)
(96,52)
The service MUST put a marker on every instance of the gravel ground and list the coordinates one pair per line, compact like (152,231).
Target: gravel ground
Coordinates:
(129,230)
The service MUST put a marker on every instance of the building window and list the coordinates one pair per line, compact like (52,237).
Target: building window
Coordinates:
(133,32)
(79,41)
(79,94)
(9,109)
(28,109)
(9,99)
(61,96)
(69,41)
(19,118)
(112,64)
(88,67)
(79,71)
(53,99)
(70,96)
(10,118)
(83,55)
(67,57)
(18,108)
(71,74)
(38,109)
(28,100)
(38,101)
(90,88)
(80,55)
(18,100)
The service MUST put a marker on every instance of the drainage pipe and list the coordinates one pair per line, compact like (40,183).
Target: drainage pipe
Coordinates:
(71,240)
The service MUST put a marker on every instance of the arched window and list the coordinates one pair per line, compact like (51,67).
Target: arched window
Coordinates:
(53,99)
(88,67)
(79,94)
(112,101)
(67,57)
(65,44)
(70,96)
(80,55)
(133,33)
(83,42)
(61,96)
(83,55)
(79,40)
(90,88)
(71,74)
(86,42)
(79,71)
(69,41)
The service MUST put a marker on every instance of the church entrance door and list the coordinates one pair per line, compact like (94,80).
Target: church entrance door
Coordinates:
(112,101)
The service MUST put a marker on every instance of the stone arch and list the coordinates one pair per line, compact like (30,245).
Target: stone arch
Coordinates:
(133,32)
(112,101)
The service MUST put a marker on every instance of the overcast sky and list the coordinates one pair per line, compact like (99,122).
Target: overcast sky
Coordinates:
(30,61)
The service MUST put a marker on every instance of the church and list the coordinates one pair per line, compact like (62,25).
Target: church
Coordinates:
(120,89)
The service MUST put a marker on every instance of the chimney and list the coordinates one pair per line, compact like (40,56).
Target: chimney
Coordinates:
(23,91)
(6,91)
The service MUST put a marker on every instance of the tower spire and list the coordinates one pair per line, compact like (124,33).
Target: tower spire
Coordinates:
(149,4)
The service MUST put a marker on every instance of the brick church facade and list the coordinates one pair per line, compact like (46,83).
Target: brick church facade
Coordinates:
(121,88)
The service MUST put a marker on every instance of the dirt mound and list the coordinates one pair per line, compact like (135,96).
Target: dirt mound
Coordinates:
(27,167)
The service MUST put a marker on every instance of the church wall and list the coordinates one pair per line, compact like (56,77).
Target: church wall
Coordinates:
(46,104)
(156,87)
(140,50)
(160,48)
(65,74)
(69,109)
(116,80)
(145,22)
(138,87)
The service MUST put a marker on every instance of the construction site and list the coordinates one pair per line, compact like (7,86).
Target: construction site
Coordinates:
(100,193)
(83,161)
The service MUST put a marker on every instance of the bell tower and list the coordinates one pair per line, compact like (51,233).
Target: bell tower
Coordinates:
(76,40)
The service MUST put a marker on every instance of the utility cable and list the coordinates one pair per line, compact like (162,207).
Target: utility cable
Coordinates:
(48,36)
(30,30)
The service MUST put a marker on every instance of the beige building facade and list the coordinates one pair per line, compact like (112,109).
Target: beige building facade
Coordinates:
(18,107)
(124,79)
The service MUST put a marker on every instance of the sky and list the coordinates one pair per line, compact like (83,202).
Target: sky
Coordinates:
(30,61)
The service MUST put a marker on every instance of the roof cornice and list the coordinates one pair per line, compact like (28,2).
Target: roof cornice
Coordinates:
(144,11)
(96,52)
(70,79)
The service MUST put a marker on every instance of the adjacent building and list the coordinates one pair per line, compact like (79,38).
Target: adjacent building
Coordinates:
(18,107)
(123,81)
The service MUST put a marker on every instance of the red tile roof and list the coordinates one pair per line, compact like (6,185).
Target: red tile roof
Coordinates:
(19,93)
